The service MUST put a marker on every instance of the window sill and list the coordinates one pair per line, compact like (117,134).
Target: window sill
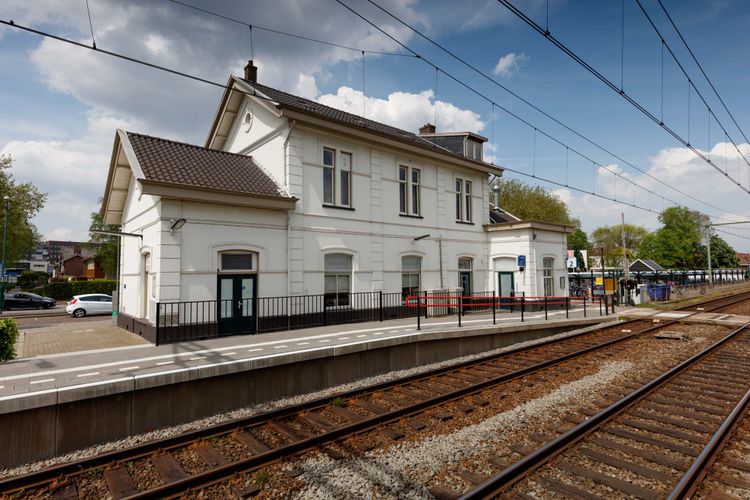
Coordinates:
(464,222)
(338,207)
(411,216)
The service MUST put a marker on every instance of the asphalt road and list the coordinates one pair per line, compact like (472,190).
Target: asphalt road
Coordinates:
(31,318)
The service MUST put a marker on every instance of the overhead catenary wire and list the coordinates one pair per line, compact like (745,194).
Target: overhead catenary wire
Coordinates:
(206,81)
(284,33)
(700,67)
(91,24)
(540,110)
(573,55)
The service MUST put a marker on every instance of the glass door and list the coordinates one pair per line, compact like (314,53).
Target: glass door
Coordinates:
(236,306)
(506,289)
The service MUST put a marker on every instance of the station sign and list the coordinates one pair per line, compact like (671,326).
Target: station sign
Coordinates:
(521,261)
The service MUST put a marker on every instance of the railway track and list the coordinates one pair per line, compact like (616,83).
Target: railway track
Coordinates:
(642,446)
(219,452)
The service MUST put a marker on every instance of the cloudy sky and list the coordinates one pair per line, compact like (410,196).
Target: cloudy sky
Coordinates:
(60,105)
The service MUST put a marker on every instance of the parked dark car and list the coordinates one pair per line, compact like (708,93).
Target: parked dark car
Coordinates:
(25,300)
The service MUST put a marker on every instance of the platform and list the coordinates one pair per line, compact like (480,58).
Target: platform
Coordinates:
(54,404)
(721,319)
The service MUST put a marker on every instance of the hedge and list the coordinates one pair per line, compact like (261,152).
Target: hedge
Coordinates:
(67,289)
(8,336)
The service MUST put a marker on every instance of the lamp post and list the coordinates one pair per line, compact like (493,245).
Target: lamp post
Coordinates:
(6,200)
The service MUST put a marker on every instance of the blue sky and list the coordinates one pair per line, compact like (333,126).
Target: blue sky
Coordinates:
(60,104)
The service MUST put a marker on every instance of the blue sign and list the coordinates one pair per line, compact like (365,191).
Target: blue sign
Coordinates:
(521,261)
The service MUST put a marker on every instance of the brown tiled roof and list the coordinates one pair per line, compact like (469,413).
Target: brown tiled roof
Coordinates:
(306,105)
(187,165)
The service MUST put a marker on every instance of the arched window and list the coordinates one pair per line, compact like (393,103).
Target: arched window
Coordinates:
(548,264)
(338,279)
(411,268)
(464,274)
(237,260)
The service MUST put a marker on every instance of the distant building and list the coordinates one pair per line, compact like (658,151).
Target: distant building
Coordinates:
(55,249)
(744,260)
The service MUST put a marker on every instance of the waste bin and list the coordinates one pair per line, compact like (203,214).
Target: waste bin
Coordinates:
(658,292)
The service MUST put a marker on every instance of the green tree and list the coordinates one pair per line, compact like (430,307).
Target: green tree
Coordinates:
(25,202)
(610,237)
(577,241)
(677,244)
(106,245)
(722,254)
(532,202)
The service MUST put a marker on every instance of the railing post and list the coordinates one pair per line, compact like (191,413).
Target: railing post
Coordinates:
(545,307)
(419,312)
(380,304)
(460,306)
(494,321)
(566,307)
(425,304)
(325,319)
(523,304)
(613,305)
(584,306)
(158,318)
(600,306)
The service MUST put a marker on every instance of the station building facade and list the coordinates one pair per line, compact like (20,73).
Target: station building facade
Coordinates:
(288,197)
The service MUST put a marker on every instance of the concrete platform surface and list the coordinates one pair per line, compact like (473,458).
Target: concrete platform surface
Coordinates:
(729,320)
(50,379)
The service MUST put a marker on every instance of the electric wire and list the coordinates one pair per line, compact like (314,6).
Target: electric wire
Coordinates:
(544,113)
(700,66)
(206,81)
(573,55)
(292,35)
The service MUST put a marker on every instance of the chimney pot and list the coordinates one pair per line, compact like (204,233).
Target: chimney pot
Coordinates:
(427,128)
(251,72)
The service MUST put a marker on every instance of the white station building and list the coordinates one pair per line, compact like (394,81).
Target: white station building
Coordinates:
(288,197)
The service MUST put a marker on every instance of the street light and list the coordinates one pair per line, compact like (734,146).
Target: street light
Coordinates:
(6,199)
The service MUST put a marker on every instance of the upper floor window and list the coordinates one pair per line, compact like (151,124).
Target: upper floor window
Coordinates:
(338,279)
(463,200)
(337,177)
(408,190)
(473,149)
(411,268)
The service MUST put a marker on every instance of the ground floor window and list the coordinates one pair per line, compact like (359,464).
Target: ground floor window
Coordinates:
(549,276)
(338,279)
(464,274)
(411,268)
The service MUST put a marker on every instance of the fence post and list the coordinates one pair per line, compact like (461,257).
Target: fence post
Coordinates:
(613,304)
(325,319)
(600,306)
(523,304)
(460,305)
(380,304)
(545,307)
(494,321)
(425,304)
(158,320)
(584,306)
(419,312)
(566,307)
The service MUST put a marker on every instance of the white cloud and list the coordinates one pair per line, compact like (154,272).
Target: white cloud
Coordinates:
(62,233)
(405,110)
(509,64)
(306,86)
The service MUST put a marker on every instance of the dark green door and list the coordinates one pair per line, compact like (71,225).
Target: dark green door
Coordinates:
(506,289)
(236,304)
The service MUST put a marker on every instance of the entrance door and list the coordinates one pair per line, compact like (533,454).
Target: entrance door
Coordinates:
(506,288)
(464,281)
(236,306)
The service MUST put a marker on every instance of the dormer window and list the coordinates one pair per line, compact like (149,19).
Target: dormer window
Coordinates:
(473,149)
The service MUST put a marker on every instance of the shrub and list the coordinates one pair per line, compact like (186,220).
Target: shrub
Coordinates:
(8,336)
(32,279)
(66,289)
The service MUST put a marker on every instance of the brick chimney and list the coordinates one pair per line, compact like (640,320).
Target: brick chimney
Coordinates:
(251,72)
(427,128)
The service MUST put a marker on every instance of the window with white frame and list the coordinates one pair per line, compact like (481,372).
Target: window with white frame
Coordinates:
(548,264)
(329,170)
(338,279)
(465,265)
(411,268)
(463,200)
(337,178)
(408,190)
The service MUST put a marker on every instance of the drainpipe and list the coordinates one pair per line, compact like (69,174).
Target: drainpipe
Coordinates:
(285,159)
(440,257)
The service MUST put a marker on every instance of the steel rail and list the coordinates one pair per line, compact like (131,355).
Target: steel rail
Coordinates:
(522,468)
(699,468)
(43,477)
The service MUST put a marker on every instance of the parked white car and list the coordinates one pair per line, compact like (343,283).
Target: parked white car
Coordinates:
(89,304)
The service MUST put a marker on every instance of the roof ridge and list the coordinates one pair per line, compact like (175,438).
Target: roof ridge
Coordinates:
(182,143)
